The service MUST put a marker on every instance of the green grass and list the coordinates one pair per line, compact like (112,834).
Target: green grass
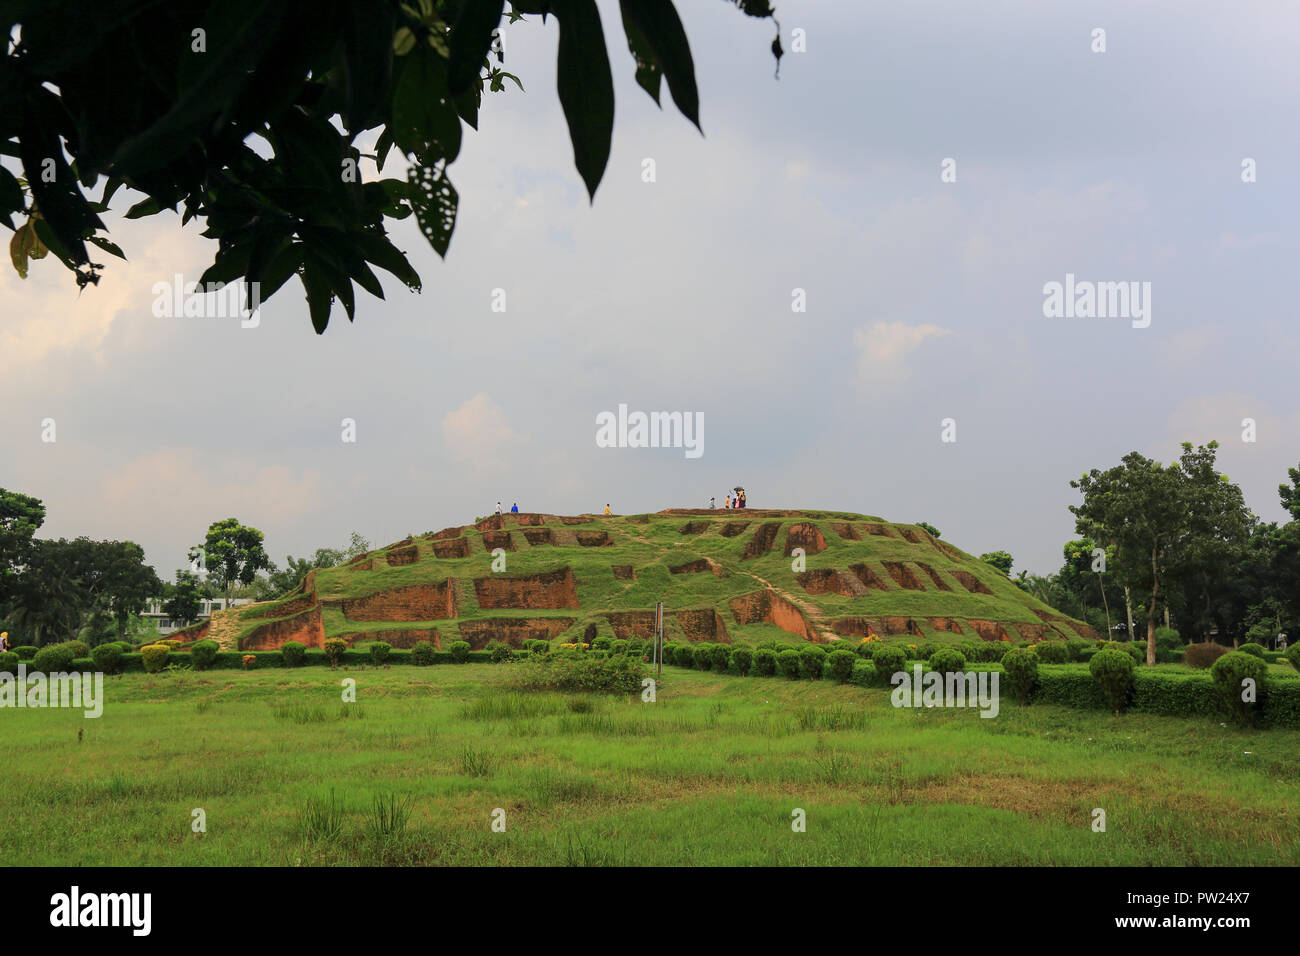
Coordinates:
(412,773)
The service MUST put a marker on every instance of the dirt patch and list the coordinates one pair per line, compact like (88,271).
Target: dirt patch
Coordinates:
(939,582)
(733,528)
(498,539)
(446,533)
(903,575)
(624,572)
(770,606)
(593,539)
(538,536)
(400,556)
(367,565)
(694,527)
(971,583)
(947,624)
(825,580)
(989,630)
(764,540)
(1035,632)
(305,628)
(287,609)
(401,638)
(512,630)
(703,624)
(359,558)
(490,523)
(456,548)
(576,519)
(949,550)
(529,518)
(418,602)
(631,624)
(846,531)
(852,627)
(806,536)
(698,566)
(551,591)
(911,536)
(639,519)
(877,529)
(868,577)
(895,625)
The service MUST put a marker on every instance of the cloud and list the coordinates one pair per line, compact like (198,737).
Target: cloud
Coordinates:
(883,350)
(477,432)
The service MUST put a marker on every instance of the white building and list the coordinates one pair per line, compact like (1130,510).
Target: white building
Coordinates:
(154,612)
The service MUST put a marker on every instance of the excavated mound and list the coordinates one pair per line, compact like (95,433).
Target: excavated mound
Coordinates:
(945,624)
(628,624)
(552,591)
(989,630)
(287,609)
(593,539)
(694,527)
(698,566)
(770,606)
(455,548)
(913,537)
(846,531)
(971,583)
(826,580)
(418,602)
(498,539)
(703,624)
(869,578)
(733,528)
(576,519)
(528,518)
(903,575)
(806,536)
(305,628)
(639,519)
(490,523)
(624,572)
(852,627)
(367,565)
(400,556)
(401,638)
(948,550)
(512,630)
(764,540)
(877,529)
(445,533)
(939,582)
(536,536)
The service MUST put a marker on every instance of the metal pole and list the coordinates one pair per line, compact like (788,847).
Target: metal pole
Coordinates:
(659,641)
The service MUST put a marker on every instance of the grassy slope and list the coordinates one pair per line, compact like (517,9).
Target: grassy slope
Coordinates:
(709,774)
(652,548)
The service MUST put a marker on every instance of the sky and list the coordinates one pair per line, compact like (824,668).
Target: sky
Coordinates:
(924,298)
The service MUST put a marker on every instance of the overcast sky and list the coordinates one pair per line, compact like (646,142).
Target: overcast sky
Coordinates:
(924,297)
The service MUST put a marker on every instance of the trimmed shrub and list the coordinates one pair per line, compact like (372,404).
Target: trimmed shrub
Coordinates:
(1293,655)
(1052,652)
(720,655)
(582,672)
(1167,639)
(619,647)
(947,660)
(987,652)
(864,649)
(537,647)
(499,651)
(703,655)
(1021,670)
(334,649)
(600,643)
(788,662)
(683,656)
(293,653)
(1077,649)
(249,661)
(1134,649)
(1202,656)
(26,652)
(155,657)
(1113,672)
(812,660)
(742,658)
(764,662)
(379,652)
(459,651)
(53,659)
(840,664)
(107,658)
(1257,650)
(864,674)
(888,660)
(924,650)
(79,648)
(9,662)
(422,653)
(203,654)
(1229,673)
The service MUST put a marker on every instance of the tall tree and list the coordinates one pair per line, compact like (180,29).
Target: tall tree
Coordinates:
(1001,560)
(20,518)
(233,554)
(185,602)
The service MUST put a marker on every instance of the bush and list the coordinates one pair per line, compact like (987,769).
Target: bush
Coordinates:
(864,649)
(925,649)
(987,652)
(1134,649)
(203,654)
(1256,650)
(9,661)
(379,652)
(1167,639)
(703,655)
(841,664)
(499,651)
(292,653)
(1113,671)
(459,651)
(1052,652)
(619,647)
(537,647)
(155,657)
(742,658)
(53,659)
(422,653)
(334,648)
(249,661)
(888,659)
(1293,655)
(619,674)
(1077,649)
(812,660)
(947,660)
(720,654)
(1020,667)
(683,655)
(601,643)
(788,661)
(79,648)
(1204,655)
(1229,672)
(107,658)
(765,662)
(25,652)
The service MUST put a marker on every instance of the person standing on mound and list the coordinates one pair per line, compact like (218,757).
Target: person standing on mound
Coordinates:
(498,507)
(514,508)
(713,503)
(607,511)
(727,504)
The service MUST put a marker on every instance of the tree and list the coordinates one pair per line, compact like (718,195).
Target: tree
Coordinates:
(20,518)
(934,532)
(163,98)
(185,602)
(233,554)
(999,559)
(357,545)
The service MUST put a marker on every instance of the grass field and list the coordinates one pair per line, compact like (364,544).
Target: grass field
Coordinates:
(412,772)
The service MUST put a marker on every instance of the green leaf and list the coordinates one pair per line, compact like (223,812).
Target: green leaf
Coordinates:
(586,87)
(471,39)
(379,250)
(283,264)
(145,207)
(435,210)
(319,299)
(425,122)
(659,26)
(110,247)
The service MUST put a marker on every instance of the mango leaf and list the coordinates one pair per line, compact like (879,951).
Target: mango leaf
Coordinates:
(660,29)
(586,87)
(425,122)
(435,209)
(471,39)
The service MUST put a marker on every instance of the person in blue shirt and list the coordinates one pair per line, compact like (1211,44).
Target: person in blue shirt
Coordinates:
(514,509)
